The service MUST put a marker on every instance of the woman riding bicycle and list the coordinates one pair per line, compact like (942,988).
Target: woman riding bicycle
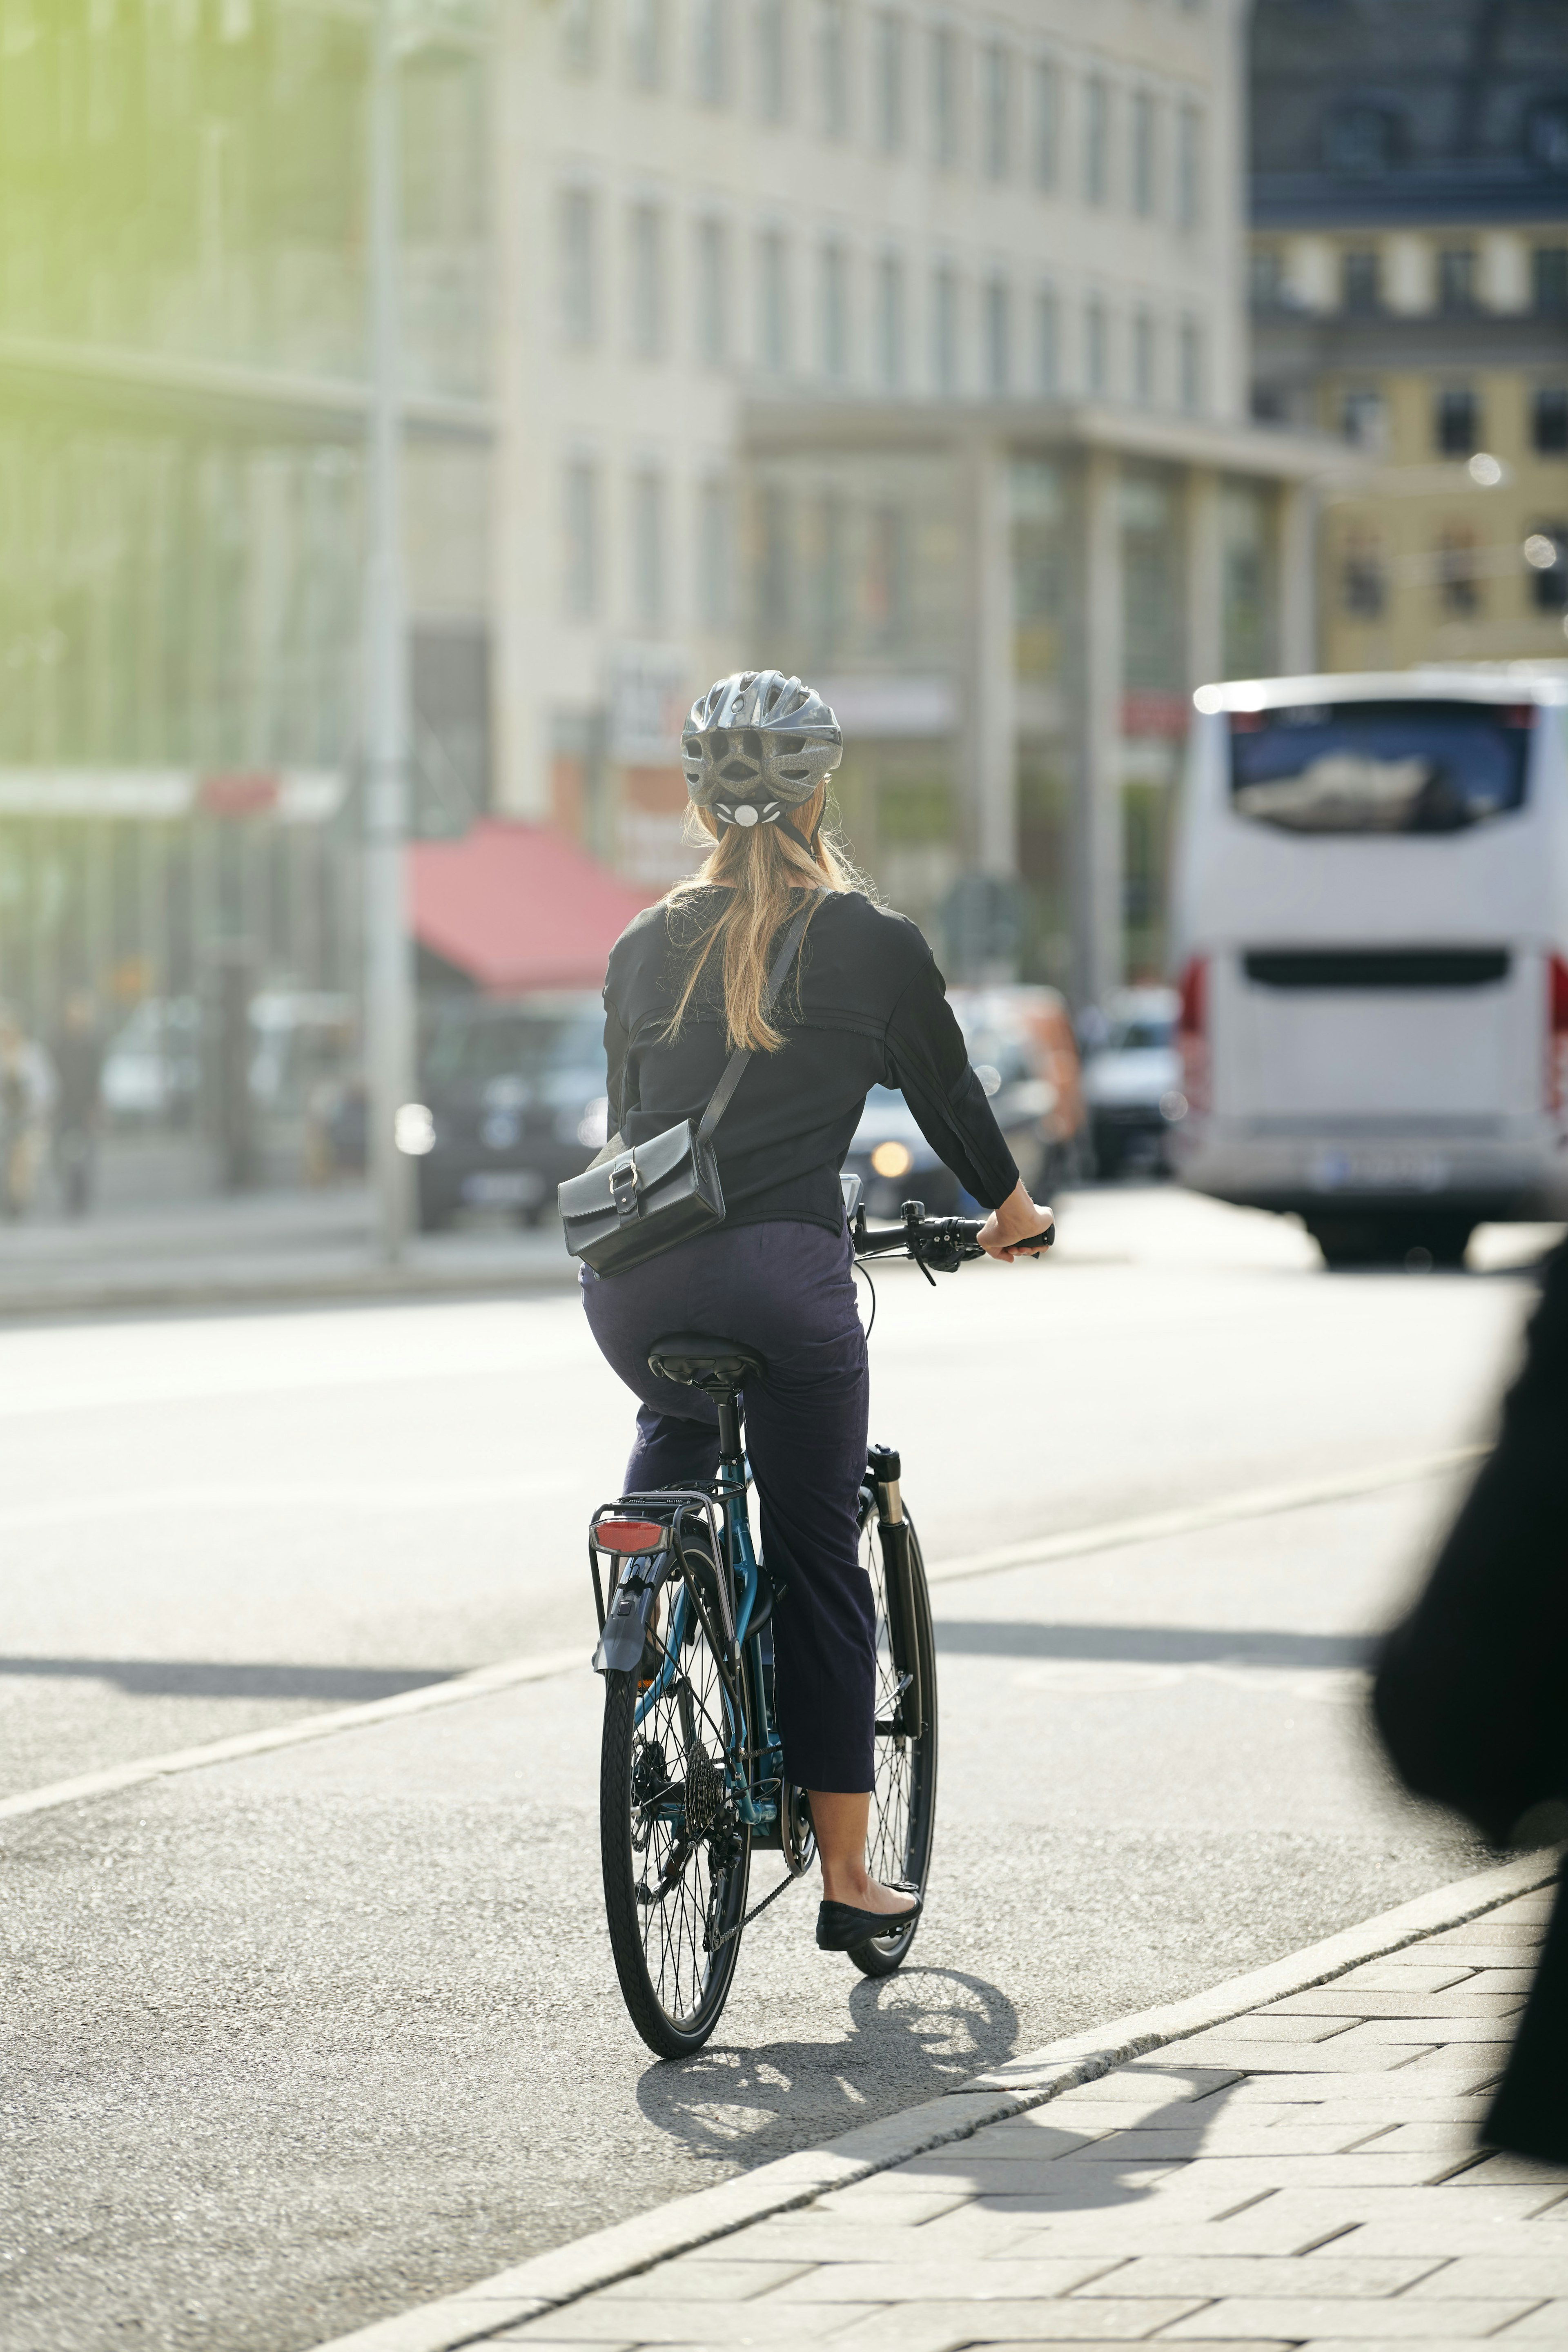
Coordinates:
(864,1006)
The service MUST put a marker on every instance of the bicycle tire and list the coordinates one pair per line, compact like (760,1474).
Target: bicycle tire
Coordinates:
(903,1795)
(675,1955)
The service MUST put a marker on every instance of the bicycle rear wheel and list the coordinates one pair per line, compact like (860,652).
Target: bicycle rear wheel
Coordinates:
(903,1793)
(676,1858)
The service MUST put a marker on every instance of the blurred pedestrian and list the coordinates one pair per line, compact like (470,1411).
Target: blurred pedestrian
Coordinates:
(79,1076)
(1471,1693)
(26,1091)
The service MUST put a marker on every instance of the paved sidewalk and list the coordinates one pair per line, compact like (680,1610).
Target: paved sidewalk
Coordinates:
(256,1248)
(1304,2174)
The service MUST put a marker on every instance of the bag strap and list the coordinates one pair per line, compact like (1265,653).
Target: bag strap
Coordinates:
(735,1068)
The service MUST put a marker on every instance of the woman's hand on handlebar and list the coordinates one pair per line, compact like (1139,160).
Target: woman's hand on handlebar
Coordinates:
(1019,1219)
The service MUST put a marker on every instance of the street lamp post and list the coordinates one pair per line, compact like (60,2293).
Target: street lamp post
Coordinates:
(388,962)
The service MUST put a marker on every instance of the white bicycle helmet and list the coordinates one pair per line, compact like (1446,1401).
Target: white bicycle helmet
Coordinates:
(756,745)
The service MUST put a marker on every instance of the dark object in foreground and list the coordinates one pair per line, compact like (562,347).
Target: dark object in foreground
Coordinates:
(1471,1693)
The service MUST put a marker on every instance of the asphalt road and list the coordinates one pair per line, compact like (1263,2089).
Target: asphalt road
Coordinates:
(293,2043)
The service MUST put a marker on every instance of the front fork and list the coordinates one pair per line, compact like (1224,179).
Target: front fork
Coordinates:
(907,1719)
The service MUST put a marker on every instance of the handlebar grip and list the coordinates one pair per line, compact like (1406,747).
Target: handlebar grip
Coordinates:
(1038,1240)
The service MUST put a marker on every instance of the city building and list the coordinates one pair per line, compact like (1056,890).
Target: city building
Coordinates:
(183,407)
(1410,293)
(903,345)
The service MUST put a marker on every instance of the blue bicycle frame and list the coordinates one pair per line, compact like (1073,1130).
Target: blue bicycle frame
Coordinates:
(756,1787)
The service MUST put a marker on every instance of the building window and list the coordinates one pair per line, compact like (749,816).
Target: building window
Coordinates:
(1045,124)
(713,564)
(1190,167)
(995,112)
(945,329)
(710,51)
(1361,281)
(1362,139)
(1457,285)
(1364,586)
(888,81)
(890,322)
(773,302)
(1456,420)
(1097,139)
(1364,418)
(773,59)
(1546,135)
(833,311)
(646,262)
(579,264)
(1047,344)
(1546,553)
(1143,158)
(1548,420)
(1190,366)
(998,307)
(579,35)
(1265,278)
(648,551)
(1458,587)
(832,67)
(1144,359)
(775,567)
(1097,351)
(580,541)
(887,576)
(1548,280)
(645,42)
(944,98)
(713,292)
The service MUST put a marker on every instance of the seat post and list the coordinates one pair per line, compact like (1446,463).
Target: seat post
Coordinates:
(728,1426)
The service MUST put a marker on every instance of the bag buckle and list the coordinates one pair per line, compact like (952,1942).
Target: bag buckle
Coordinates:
(626,1178)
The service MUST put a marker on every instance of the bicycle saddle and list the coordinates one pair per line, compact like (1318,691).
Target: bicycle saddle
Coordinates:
(700,1362)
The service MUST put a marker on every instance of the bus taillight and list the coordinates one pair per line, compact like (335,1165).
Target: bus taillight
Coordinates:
(1556,1032)
(1192,1033)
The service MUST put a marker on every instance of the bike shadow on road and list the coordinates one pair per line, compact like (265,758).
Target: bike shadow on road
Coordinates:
(912,2036)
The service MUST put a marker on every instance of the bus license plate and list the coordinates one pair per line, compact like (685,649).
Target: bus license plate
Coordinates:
(1380,1169)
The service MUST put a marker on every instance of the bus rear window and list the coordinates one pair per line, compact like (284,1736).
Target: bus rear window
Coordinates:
(1379,767)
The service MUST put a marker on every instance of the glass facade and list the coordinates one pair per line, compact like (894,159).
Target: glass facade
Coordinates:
(182,356)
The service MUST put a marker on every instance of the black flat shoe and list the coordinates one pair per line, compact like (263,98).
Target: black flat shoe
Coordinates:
(841,1927)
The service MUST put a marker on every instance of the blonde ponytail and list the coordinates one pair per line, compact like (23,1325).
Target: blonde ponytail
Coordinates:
(763,870)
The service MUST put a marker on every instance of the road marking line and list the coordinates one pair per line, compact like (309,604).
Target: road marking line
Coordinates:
(1257,1503)
(1109,1535)
(450,1693)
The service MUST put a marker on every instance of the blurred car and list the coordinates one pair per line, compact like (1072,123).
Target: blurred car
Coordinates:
(1020,1046)
(516,1092)
(300,1040)
(152,1069)
(1132,1081)
(1025,1036)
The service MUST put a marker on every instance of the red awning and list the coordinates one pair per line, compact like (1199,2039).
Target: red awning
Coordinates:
(517,906)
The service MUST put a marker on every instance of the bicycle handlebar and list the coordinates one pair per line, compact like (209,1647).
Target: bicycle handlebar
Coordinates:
(945,1243)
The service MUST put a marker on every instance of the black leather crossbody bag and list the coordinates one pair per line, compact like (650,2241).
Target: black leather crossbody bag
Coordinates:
(637,1201)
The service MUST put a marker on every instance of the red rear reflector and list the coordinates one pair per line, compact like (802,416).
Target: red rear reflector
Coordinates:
(630,1535)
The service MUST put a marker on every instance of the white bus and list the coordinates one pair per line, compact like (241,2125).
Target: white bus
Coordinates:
(1370,909)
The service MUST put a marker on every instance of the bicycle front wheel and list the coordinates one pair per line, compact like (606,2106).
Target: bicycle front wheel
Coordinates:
(903,1793)
(676,1859)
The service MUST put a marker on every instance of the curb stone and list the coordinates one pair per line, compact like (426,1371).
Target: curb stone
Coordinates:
(570,2272)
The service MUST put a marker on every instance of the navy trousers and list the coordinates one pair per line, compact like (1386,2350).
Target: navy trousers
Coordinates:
(788,1291)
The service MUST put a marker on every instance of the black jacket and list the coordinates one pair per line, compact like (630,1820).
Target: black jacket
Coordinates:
(864,1007)
(1471,1693)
